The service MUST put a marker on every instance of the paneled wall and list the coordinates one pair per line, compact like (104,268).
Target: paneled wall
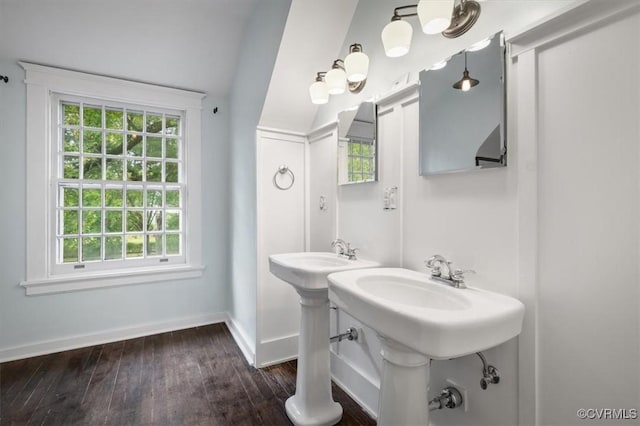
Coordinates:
(281,229)
(581,145)
(557,228)
(323,175)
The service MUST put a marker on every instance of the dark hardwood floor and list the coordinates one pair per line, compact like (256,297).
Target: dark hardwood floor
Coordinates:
(190,377)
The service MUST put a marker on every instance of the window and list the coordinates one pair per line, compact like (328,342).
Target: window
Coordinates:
(110,181)
(361,160)
(119,186)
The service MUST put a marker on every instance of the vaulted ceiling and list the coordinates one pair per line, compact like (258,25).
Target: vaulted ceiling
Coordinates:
(191,44)
(312,39)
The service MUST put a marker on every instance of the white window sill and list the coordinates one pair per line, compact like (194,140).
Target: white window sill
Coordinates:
(86,281)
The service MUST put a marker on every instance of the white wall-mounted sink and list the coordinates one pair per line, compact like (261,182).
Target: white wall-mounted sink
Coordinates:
(429,317)
(418,319)
(309,270)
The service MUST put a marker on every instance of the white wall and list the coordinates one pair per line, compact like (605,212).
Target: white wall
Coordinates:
(588,192)
(323,177)
(581,343)
(254,67)
(472,219)
(281,229)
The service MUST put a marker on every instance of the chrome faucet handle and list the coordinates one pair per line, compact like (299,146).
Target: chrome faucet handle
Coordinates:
(434,264)
(351,252)
(340,243)
(457,277)
(459,273)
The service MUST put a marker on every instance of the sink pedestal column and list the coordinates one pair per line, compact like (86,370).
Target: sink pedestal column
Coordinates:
(312,404)
(404,386)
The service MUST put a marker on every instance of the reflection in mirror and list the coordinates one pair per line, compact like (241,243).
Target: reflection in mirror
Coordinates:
(357,149)
(462,123)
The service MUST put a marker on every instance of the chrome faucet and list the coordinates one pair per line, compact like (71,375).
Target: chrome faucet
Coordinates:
(441,271)
(344,249)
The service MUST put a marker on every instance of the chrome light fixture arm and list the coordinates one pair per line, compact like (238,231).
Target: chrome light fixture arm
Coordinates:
(465,14)
(397,14)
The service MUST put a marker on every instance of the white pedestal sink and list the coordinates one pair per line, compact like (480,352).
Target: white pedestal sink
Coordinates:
(307,272)
(419,319)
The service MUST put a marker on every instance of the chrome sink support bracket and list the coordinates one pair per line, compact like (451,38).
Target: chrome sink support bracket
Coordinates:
(449,397)
(350,334)
(490,374)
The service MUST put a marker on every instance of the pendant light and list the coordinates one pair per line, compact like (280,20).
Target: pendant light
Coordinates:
(466,82)
(318,90)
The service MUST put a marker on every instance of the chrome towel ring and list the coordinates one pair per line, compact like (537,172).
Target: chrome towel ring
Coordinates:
(283,170)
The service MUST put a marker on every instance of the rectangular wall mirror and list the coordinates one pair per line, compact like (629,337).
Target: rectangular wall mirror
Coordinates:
(357,147)
(463,128)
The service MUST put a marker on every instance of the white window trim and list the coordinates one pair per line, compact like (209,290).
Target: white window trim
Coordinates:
(42,82)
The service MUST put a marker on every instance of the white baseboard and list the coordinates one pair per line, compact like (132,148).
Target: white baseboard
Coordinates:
(275,351)
(108,336)
(242,340)
(359,387)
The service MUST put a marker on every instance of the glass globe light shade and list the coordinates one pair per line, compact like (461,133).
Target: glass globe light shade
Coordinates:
(319,93)
(435,15)
(356,66)
(396,38)
(336,81)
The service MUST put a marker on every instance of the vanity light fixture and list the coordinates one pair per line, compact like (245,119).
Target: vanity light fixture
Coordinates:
(466,82)
(451,18)
(350,73)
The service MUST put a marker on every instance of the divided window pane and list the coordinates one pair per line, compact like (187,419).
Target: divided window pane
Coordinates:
(119,182)
(361,161)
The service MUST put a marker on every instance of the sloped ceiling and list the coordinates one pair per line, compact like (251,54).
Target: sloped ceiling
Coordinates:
(191,44)
(312,39)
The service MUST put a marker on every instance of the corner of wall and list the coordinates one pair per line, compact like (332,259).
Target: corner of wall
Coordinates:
(254,68)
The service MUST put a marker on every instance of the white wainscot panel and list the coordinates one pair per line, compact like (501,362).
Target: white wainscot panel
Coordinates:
(281,229)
